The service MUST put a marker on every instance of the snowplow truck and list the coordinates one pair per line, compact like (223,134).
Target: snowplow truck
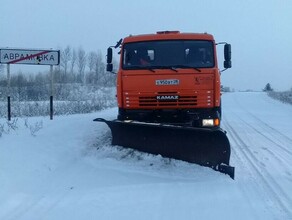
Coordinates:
(169,99)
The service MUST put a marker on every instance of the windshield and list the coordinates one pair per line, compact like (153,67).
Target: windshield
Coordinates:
(168,54)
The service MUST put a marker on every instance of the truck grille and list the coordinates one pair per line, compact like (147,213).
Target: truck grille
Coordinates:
(169,99)
(181,101)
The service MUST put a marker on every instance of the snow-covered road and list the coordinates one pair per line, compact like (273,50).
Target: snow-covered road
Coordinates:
(68,170)
(260,132)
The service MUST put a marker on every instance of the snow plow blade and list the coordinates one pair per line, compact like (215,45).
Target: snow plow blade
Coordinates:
(204,146)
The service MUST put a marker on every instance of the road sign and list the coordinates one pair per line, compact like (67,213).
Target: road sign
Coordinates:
(27,56)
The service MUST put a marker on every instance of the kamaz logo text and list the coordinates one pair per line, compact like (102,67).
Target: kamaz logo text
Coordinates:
(167,97)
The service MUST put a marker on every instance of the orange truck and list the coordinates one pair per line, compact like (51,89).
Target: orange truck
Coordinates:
(169,99)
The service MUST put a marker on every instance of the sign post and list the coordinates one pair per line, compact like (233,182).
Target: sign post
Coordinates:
(52,92)
(32,57)
(8,93)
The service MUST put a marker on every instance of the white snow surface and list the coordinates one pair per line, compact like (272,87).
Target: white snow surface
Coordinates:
(69,170)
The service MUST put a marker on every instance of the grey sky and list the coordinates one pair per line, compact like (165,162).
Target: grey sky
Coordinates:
(259,31)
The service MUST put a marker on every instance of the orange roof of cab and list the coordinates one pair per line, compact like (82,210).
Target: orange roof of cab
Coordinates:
(168,35)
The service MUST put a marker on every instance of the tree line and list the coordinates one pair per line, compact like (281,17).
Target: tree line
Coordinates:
(77,67)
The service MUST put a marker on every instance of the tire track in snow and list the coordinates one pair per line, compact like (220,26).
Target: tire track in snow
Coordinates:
(285,152)
(46,200)
(17,211)
(275,193)
(240,162)
(37,207)
(269,129)
(274,136)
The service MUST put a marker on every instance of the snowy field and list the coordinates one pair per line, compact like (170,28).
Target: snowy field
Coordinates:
(66,169)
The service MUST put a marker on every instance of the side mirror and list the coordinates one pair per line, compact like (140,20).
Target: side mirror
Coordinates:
(109,67)
(227,56)
(109,56)
(227,52)
(227,64)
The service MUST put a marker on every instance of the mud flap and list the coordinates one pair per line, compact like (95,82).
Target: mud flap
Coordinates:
(203,146)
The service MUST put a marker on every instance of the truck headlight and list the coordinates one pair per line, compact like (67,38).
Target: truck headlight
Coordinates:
(210,122)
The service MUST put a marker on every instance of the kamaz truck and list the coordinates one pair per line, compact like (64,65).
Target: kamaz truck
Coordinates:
(169,98)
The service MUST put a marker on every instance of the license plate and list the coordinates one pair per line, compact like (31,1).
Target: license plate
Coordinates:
(162,82)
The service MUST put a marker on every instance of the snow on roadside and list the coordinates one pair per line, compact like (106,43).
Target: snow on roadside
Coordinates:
(68,167)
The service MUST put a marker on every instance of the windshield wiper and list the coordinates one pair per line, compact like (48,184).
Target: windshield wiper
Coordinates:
(186,66)
(171,68)
(165,67)
(135,67)
(150,68)
(174,67)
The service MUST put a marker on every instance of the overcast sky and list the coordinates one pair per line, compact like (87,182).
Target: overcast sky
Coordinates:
(260,31)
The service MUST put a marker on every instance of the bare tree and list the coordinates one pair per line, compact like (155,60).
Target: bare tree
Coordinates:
(81,64)
(99,68)
(73,61)
(66,56)
(92,57)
